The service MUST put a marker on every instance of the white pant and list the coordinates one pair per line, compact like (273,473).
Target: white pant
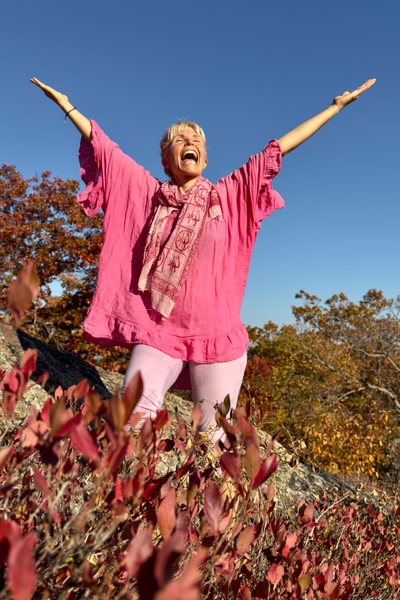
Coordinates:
(211,383)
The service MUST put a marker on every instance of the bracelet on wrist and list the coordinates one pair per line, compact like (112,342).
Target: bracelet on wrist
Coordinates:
(70,111)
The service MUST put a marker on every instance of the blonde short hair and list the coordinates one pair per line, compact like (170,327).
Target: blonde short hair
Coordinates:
(172,131)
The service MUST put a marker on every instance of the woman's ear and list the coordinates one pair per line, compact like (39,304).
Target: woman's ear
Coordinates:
(165,162)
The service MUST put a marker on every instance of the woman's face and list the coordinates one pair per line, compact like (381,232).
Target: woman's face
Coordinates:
(186,158)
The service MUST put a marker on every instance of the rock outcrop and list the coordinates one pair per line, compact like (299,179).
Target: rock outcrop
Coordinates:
(294,479)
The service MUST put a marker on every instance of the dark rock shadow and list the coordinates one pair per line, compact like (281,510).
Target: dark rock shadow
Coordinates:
(64,368)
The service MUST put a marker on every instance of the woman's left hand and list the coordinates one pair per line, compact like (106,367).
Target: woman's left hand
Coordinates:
(348,97)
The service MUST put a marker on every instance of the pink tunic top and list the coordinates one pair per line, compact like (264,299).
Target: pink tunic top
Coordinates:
(205,324)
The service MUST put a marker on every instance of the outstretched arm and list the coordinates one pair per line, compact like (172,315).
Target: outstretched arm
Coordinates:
(82,124)
(302,132)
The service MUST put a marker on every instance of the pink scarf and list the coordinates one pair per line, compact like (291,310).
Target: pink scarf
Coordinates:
(171,265)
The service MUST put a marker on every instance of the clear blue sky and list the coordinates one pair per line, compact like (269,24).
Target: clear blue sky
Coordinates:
(247,72)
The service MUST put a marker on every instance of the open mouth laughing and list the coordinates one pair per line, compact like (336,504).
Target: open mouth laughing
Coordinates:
(189,157)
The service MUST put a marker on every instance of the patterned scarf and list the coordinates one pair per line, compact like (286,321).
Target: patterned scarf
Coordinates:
(163,273)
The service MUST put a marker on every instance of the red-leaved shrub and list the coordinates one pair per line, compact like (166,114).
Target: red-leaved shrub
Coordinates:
(89,509)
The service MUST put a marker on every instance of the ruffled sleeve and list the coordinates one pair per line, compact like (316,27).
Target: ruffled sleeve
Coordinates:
(247,192)
(112,178)
(268,200)
(92,197)
(255,182)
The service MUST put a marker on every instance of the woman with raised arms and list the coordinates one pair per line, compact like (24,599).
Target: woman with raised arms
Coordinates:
(175,257)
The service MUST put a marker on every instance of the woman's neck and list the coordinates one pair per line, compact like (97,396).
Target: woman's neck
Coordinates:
(185,185)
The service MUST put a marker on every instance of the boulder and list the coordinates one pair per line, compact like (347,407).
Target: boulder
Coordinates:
(294,479)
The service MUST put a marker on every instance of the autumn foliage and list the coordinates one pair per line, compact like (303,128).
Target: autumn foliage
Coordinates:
(331,383)
(41,220)
(90,509)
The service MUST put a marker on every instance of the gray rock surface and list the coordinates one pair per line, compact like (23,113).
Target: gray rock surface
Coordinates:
(294,480)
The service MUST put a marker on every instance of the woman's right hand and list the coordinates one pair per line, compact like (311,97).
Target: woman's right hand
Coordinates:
(57,97)
(81,122)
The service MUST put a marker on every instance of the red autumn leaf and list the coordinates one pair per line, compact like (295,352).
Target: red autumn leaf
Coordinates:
(166,514)
(245,539)
(177,591)
(320,580)
(138,551)
(13,381)
(21,573)
(138,482)
(31,434)
(213,506)
(118,495)
(43,379)
(9,533)
(115,456)
(330,572)
(268,467)
(252,460)
(306,513)
(166,445)
(81,389)
(187,586)
(29,360)
(230,464)
(59,393)
(153,487)
(46,412)
(59,415)
(127,488)
(225,424)
(191,573)
(13,387)
(185,467)
(69,425)
(244,593)
(23,290)
(224,522)
(197,416)
(117,408)
(40,481)
(248,432)
(166,557)
(82,441)
(161,419)
(275,573)
(93,403)
(5,455)
(225,565)
(146,435)
(132,394)
(134,419)
(290,542)
(330,588)
(271,492)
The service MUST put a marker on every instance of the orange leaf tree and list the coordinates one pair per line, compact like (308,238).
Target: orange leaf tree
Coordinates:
(41,220)
(335,380)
